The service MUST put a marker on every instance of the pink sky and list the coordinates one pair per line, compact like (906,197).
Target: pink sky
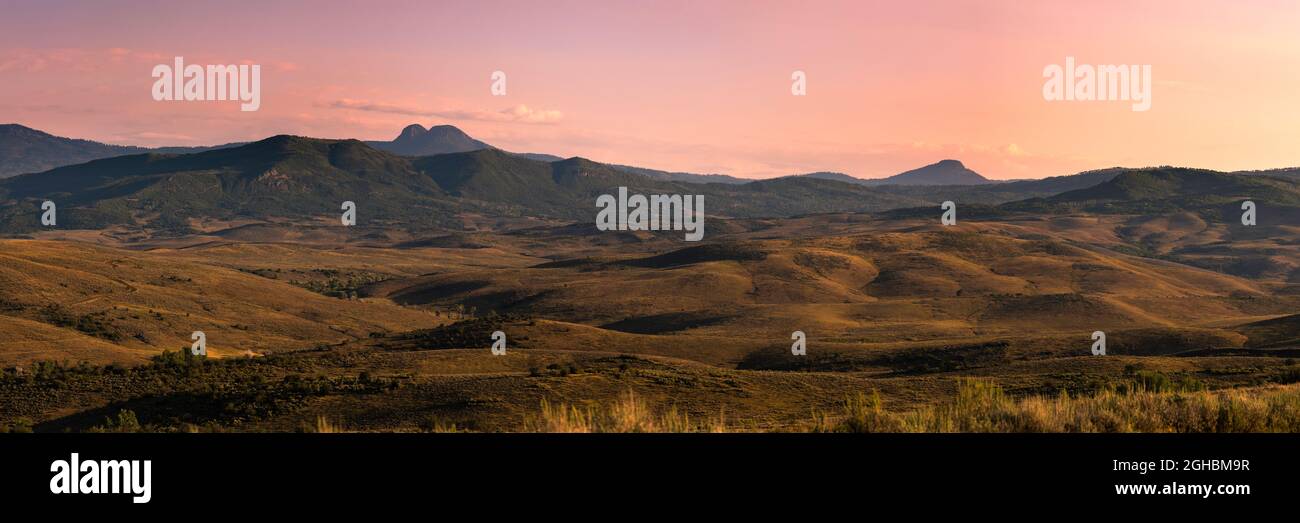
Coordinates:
(692,86)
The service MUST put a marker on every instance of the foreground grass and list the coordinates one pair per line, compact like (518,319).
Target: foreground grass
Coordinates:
(629,413)
(177,392)
(983,407)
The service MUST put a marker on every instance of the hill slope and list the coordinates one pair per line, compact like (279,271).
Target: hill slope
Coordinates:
(1164,190)
(26,150)
(282,176)
(74,301)
(287,177)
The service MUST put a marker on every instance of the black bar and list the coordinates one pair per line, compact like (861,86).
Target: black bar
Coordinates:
(982,471)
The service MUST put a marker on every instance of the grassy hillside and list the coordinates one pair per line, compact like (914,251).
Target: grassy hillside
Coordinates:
(75,302)
(1163,190)
(304,179)
(280,177)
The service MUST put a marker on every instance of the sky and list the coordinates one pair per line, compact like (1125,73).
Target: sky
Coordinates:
(696,86)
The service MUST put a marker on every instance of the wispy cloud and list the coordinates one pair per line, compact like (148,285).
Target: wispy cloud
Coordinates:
(520,113)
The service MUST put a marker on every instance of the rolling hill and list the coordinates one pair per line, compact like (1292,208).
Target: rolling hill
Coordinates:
(79,302)
(390,331)
(286,177)
(282,176)
(1163,190)
(26,150)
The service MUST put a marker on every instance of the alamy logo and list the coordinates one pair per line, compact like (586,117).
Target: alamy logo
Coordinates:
(200,345)
(1248,213)
(800,346)
(949,216)
(659,212)
(1100,83)
(49,214)
(1098,343)
(498,86)
(349,213)
(102,477)
(216,82)
(498,343)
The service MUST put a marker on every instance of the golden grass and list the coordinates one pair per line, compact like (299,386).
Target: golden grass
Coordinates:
(983,407)
(629,413)
(325,426)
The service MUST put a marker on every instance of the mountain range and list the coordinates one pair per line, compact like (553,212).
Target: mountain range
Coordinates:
(436,177)
(26,150)
(308,178)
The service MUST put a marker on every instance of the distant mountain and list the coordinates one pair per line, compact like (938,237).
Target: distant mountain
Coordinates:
(27,150)
(415,140)
(1060,184)
(1159,183)
(946,172)
(1003,192)
(839,177)
(282,176)
(568,188)
(296,178)
(1160,190)
(288,177)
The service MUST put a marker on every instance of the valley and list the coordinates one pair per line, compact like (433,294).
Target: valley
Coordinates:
(401,326)
(386,325)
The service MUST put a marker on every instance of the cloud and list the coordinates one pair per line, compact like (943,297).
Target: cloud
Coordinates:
(519,114)
(523,113)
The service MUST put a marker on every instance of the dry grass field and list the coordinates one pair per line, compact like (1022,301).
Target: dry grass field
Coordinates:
(984,326)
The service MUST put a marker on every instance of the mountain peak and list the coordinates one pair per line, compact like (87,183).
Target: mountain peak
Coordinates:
(412,131)
(415,140)
(943,172)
